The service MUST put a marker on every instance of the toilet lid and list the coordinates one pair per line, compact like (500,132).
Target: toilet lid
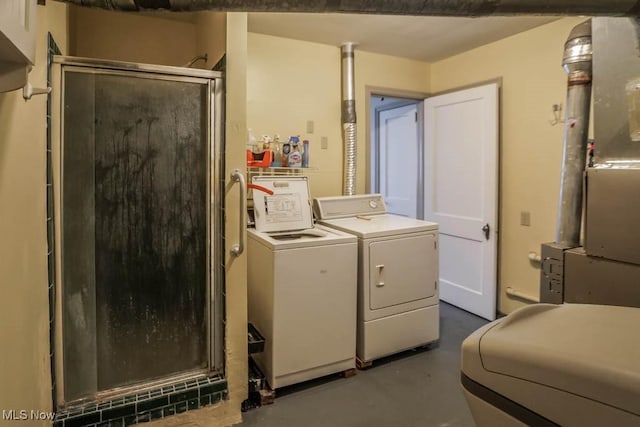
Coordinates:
(587,350)
(288,209)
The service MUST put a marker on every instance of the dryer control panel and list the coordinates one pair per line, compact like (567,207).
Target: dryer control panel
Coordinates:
(349,206)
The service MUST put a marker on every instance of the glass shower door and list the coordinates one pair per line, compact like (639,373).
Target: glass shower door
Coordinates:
(135,229)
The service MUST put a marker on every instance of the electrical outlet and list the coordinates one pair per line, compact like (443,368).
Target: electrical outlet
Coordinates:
(525,218)
(310,125)
(324,142)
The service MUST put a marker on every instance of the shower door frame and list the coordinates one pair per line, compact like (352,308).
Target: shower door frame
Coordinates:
(214,211)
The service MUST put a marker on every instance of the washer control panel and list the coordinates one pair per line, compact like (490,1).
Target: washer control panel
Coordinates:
(349,206)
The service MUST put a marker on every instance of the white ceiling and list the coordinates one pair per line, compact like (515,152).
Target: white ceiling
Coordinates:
(418,37)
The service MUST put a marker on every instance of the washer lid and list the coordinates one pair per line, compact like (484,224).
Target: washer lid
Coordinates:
(367,227)
(587,350)
(300,239)
(289,208)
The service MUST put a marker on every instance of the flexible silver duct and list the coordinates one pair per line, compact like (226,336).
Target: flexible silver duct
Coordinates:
(349,119)
(389,7)
(577,63)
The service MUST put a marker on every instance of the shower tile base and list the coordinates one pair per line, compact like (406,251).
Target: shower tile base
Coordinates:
(146,406)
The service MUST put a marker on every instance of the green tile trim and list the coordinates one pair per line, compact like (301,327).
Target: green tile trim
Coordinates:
(146,406)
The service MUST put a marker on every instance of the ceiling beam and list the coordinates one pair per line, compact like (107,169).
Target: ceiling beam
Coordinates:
(385,7)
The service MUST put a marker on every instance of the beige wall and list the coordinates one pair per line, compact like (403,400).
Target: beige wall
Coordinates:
(291,82)
(211,29)
(288,83)
(151,39)
(25,381)
(121,36)
(533,80)
(236,268)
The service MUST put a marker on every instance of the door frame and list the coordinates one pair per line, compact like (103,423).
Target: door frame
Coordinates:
(372,141)
(499,82)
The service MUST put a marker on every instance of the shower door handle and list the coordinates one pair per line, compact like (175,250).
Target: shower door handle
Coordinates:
(237,250)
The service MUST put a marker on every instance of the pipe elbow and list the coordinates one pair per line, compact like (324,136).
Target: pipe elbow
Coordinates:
(578,52)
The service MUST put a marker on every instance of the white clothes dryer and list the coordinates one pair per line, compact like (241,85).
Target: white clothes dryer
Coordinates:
(398,303)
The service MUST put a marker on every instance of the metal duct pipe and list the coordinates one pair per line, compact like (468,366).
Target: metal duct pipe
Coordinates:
(395,7)
(577,63)
(349,119)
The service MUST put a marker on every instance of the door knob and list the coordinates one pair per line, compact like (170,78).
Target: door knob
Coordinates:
(486,229)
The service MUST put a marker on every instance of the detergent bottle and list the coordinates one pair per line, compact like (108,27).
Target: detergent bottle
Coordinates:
(295,156)
(286,150)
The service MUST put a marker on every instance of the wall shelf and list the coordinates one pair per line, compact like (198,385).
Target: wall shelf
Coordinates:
(281,168)
(278,171)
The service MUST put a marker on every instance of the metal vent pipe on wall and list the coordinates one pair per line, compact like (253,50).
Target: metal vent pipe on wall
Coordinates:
(392,7)
(349,119)
(577,62)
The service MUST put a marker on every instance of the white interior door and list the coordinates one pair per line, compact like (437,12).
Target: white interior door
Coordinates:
(399,159)
(461,194)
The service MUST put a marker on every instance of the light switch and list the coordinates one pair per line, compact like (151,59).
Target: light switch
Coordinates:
(310,125)
(324,143)
(525,218)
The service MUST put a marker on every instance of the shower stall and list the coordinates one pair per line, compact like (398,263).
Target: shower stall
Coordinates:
(137,162)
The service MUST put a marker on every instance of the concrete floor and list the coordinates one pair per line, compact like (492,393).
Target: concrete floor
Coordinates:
(414,388)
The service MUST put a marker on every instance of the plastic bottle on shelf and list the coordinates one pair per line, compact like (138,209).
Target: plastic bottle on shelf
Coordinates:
(305,153)
(275,163)
(266,146)
(266,141)
(277,156)
(286,150)
(295,157)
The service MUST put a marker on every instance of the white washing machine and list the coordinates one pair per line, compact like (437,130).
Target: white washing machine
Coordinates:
(302,283)
(398,304)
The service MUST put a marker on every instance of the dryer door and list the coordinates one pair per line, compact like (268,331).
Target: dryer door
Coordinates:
(402,270)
